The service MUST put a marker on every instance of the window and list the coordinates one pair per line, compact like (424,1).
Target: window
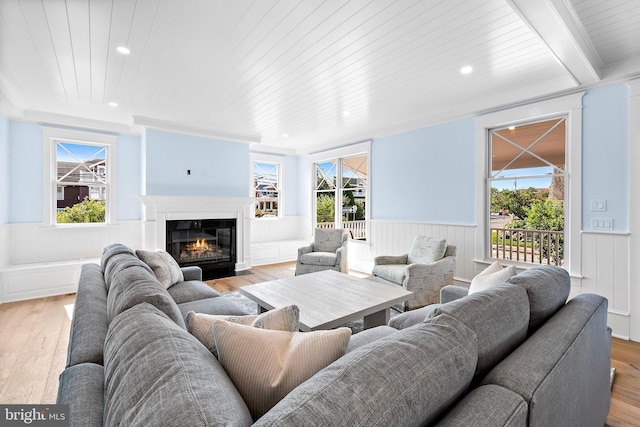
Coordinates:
(78,172)
(526,191)
(341,190)
(266,189)
(532,159)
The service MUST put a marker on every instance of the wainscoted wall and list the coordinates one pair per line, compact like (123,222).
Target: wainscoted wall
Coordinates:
(45,261)
(277,240)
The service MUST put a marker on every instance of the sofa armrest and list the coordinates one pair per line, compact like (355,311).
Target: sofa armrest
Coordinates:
(192,272)
(452,292)
(390,259)
(305,250)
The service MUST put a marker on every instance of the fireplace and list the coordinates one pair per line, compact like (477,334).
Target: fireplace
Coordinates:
(207,243)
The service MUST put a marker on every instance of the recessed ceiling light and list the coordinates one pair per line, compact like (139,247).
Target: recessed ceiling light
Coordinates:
(467,69)
(512,128)
(285,135)
(113,104)
(346,114)
(123,50)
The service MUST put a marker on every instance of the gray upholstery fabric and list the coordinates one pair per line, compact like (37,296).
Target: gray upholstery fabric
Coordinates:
(192,272)
(426,250)
(411,375)
(135,285)
(488,406)
(82,388)
(157,374)
(328,240)
(562,370)
(413,317)
(89,324)
(120,262)
(393,272)
(114,249)
(548,288)
(319,258)
(452,292)
(498,316)
(191,290)
(223,304)
(369,335)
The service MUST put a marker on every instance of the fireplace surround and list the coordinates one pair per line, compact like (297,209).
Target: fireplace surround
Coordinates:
(163,210)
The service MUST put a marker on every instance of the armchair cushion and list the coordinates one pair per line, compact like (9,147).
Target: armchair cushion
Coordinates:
(328,240)
(395,273)
(319,258)
(426,250)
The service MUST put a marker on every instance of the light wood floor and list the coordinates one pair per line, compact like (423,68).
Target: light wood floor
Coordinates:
(34,335)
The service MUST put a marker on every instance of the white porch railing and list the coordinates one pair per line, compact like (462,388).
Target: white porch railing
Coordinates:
(533,246)
(358,229)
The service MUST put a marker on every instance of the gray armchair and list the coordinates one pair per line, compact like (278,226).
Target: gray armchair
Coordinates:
(328,251)
(427,268)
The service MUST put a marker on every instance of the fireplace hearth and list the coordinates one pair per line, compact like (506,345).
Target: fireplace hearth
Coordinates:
(207,243)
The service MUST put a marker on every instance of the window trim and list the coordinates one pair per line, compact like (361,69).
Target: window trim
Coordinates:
(360,148)
(49,168)
(271,159)
(569,106)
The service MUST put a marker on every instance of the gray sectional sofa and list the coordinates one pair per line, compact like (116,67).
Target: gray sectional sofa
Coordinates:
(514,355)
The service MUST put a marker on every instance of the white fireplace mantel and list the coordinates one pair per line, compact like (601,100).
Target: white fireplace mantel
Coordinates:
(160,209)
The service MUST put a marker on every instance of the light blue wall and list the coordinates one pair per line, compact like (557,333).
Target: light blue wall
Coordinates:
(291,180)
(218,168)
(129,176)
(25,172)
(4,170)
(425,175)
(605,154)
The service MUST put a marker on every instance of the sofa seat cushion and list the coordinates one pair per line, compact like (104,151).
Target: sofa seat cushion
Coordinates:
(280,319)
(394,273)
(265,365)
(191,290)
(318,258)
(499,317)
(165,268)
(82,388)
(158,374)
(90,322)
(491,276)
(219,305)
(488,406)
(135,285)
(407,378)
(548,288)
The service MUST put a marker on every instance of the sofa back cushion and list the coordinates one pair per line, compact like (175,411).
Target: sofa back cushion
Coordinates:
(118,262)
(158,374)
(412,376)
(135,285)
(499,317)
(166,269)
(426,250)
(547,287)
(328,240)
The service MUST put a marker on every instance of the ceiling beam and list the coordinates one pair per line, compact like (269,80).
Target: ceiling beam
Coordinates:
(557,24)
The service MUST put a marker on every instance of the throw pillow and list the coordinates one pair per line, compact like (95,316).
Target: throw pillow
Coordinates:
(281,319)
(266,365)
(491,276)
(165,268)
(426,250)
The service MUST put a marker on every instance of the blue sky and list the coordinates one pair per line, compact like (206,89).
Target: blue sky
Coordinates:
(80,151)
(544,181)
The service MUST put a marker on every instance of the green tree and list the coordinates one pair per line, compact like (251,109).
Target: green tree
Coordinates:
(515,202)
(325,208)
(86,211)
(547,215)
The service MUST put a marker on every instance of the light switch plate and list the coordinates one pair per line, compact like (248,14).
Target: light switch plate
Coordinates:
(598,205)
(602,224)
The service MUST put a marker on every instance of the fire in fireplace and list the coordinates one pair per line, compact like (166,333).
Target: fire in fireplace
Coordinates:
(207,243)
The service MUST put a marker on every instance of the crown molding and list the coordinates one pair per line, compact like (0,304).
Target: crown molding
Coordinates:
(46,118)
(149,122)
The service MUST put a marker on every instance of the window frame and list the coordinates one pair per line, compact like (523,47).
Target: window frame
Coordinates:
(569,106)
(337,154)
(274,160)
(50,137)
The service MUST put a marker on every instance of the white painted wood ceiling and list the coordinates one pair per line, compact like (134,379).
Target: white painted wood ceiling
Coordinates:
(324,73)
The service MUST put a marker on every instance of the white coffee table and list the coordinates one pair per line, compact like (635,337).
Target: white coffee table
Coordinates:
(328,299)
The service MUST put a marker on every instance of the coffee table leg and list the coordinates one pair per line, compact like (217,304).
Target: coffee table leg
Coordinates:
(377,319)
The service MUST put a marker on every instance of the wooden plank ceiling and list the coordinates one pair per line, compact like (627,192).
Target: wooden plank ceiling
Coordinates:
(299,76)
